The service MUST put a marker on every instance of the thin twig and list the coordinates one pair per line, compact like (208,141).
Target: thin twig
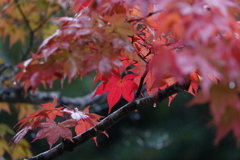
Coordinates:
(44,21)
(23,16)
(140,56)
(27,52)
(141,82)
(31,32)
(139,19)
(30,29)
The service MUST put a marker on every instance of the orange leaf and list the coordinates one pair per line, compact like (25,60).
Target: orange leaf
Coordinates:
(24,109)
(5,107)
(52,111)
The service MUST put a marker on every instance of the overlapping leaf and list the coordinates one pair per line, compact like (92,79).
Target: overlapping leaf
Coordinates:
(32,121)
(84,119)
(53,131)
(116,87)
(224,106)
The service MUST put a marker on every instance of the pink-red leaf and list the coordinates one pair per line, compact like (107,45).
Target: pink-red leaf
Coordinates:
(118,86)
(85,120)
(53,131)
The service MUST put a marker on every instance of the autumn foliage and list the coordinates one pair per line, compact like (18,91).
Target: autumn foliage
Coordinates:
(81,120)
(134,49)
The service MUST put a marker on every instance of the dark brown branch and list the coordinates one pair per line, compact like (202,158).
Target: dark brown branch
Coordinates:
(110,120)
(5,67)
(140,56)
(141,82)
(27,52)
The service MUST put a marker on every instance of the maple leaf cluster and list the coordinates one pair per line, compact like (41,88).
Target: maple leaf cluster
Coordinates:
(156,43)
(80,120)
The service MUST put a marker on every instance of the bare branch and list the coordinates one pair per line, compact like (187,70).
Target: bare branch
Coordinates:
(109,121)
(141,82)
(5,67)
(16,94)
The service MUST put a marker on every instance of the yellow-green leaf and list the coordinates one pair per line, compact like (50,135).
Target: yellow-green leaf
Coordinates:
(4,147)
(4,129)
(24,109)
(22,149)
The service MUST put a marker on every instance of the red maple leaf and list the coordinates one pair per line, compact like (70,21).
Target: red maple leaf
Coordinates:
(194,77)
(149,79)
(53,131)
(20,135)
(28,123)
(33,72)
(51,110)
(85,120)
(116,87)
(168,82)
(31,121)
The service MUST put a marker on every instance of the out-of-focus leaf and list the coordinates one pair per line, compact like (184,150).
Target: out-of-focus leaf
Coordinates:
(4,147)
(4,129)
(24,109)
(22,149)
(5,107)
(53,131)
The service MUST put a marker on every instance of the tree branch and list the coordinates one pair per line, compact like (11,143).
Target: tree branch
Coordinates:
(5,67)
(110,120)
(141,82)
(16,94)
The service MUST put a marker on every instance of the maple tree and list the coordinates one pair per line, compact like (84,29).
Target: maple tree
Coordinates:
(142,51)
